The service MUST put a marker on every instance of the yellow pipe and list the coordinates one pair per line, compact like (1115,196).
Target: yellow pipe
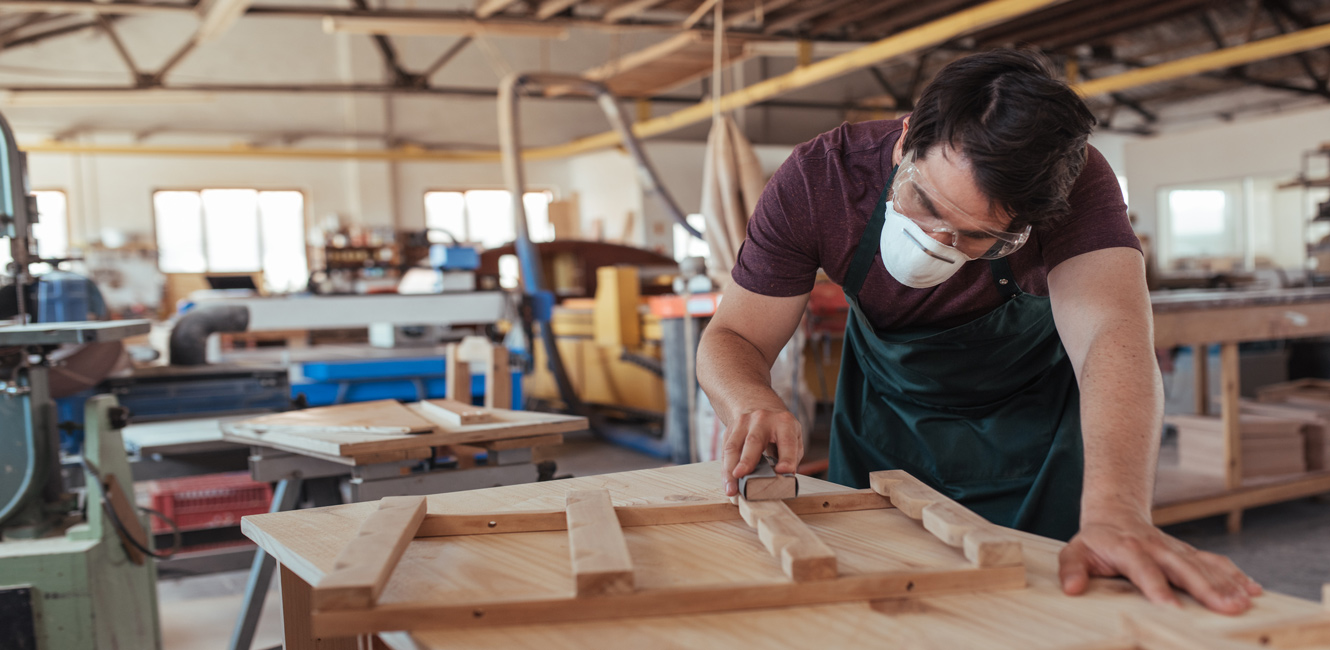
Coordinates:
(1299,41)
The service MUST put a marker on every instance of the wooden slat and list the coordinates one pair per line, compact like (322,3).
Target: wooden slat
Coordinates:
(1158,632)
(803,556)
(455,412)
(669,602)
(549,8)
(383,417)
(658,514)
(1300,632)
(630,9)
(457,375)
(796,18)
(364,565)
(601,564)
(297,624)
(488,8)
(498,380)
(982,543)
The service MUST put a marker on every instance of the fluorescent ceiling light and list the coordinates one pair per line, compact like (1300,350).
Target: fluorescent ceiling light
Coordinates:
(52,98)
(438,27)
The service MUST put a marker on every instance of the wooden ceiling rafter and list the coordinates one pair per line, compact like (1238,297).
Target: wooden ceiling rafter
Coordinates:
(912,16)
(1093,32)
(832,23)
(793,19)
(1039,31)
(629,9)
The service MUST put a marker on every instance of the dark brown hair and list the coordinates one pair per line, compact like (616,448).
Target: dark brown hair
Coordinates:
(1023,130)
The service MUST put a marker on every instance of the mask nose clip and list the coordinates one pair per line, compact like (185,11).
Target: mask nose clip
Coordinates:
(925,248)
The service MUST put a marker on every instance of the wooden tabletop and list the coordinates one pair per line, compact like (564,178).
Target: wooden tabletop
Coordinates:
(458,569)
(1193,299)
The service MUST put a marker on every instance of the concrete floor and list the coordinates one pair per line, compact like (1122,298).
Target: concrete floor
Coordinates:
(1285,547)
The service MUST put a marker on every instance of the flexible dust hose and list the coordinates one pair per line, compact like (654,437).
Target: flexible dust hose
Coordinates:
(189,337)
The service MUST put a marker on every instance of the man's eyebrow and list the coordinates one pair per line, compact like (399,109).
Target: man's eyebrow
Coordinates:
(928,204)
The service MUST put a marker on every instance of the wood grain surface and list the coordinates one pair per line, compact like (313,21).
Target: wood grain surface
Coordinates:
(449,571)
(365,564)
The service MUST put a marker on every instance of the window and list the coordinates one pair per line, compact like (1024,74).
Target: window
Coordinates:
(485,217)
(1242,224)
(686,245)
(233,231)
(51,230)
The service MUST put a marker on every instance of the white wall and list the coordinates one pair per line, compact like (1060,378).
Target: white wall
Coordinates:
(1259,147)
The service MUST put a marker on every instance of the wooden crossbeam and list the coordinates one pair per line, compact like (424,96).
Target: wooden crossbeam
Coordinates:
(981,541)
(630,9)
(364,565)
(803,556)
(455,412)
(550,8)
(601,564)
(667,602)
(658,514)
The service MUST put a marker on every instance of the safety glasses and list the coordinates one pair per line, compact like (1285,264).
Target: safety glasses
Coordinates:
(917,200)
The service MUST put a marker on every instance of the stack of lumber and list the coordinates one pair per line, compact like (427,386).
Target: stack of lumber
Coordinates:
(387,430)
(1270,446)
(1315,427)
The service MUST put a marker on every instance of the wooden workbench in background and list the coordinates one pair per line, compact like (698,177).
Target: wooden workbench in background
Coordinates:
(461,569)
(1202,318)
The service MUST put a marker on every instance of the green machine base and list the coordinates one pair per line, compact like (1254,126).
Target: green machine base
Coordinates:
(84,591)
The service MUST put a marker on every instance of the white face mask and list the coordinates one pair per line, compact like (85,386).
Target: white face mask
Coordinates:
(912,257)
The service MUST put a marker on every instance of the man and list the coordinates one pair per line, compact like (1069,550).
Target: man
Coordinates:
(999,345)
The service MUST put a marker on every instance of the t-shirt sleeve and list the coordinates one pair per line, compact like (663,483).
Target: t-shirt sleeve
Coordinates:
(1098,217)
(779,256)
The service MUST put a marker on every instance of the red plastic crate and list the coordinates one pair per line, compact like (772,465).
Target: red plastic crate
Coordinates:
(209,501)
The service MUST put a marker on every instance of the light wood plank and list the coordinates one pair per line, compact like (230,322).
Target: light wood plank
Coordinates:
(455,412)
(601,564)
(456,375)
(297,624)
(656,514)
(669,602)
(1230,409)
(382,417)
(803,555)
(364,566)
(522,443)
(1156,632)
(1201,366)
(983,543)
(498,380)
(506,424)
(1300,632)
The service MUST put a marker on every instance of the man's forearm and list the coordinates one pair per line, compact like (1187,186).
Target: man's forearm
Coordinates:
(1121,409)
(734,374)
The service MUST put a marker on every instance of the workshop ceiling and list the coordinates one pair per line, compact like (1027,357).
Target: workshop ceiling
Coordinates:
(425,72)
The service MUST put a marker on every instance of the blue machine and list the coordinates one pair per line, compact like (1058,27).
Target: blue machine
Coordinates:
(407,379)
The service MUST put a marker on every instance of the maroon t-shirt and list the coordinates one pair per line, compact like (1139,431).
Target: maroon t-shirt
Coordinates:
(815,208)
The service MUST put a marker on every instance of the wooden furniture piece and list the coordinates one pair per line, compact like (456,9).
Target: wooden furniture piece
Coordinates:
(681,536)
(1199,319)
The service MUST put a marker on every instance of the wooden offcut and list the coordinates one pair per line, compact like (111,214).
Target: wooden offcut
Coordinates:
(498,380)
(364,565)
(601,564)
(383,417)
(983,543)
(454,412)
(457,375)
(803,556)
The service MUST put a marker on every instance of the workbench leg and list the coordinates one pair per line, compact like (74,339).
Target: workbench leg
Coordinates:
(260,572)
(1200,355)
(296,627)
(1231,413)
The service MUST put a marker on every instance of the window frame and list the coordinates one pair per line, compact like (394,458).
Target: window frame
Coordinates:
(424,207)
(304,217)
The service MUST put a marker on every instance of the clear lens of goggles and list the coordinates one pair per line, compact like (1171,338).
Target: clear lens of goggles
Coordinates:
(913,198)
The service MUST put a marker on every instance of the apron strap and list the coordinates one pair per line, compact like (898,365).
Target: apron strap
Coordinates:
(1004,279)
(869,243)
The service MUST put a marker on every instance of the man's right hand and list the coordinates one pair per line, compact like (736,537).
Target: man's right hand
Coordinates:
(752,433)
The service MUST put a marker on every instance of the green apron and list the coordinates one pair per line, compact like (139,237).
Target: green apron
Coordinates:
(987,412)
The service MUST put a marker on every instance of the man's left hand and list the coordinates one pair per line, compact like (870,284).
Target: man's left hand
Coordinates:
(1135,549)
